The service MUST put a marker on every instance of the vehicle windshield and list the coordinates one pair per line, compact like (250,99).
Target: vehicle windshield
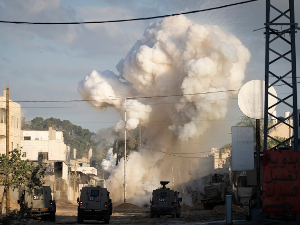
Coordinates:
(38,191)
(95,193)
(163,194)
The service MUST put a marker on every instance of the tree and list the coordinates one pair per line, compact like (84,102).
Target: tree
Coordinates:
(17,173)
(131,145)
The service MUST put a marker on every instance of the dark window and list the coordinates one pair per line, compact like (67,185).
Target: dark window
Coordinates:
(23,154)
(94,193)
(2,115)
(27,138)
(163,194)
(43,155)
(38,191)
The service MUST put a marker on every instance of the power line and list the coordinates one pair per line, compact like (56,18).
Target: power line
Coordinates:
(115,98)
(178,155)
(127,20)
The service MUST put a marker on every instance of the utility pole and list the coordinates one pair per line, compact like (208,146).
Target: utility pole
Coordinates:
(258,163)
(140,135)
(7,149)
(75,179)
(125,155)
(281,28)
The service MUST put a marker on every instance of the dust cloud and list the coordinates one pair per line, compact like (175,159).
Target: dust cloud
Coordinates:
(173,82)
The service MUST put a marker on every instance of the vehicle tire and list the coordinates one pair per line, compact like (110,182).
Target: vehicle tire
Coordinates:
(106,218)
(110,208)
(178,214)
(152,214)
(208,206)
(52,216)
(80,217)
(233,199)
(174,214)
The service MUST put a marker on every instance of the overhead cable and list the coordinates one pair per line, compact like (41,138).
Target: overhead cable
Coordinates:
(127,20)
(135,97)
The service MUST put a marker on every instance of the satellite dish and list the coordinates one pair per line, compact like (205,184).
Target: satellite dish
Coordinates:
(251,99)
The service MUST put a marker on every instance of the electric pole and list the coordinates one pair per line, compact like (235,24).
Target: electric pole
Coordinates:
(280,29)
(7,149)
(125,155)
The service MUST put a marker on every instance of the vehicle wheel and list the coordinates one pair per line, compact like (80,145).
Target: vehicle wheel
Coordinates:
(208,206)
(233,199)
(174,214)
(80,217)
(110,208)
(106,221)
(178,214)
(52,216)
(152,214)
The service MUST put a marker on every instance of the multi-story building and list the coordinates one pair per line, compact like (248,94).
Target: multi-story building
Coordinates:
(14,124)
(48,147)
(44,145)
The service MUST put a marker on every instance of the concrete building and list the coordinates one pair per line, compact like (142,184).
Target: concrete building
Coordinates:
(44,145)
(48,147)
(14,124)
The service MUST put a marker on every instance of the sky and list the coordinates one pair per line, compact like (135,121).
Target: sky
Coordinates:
(44,63)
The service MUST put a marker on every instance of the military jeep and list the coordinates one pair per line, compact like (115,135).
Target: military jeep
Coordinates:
(39,204)
(94,204)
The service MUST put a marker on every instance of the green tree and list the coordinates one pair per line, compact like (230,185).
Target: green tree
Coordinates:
(17,173)
(131,145)
(38,124)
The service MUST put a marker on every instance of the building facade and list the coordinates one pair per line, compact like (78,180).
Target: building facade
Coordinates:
(14,124)
(44,145)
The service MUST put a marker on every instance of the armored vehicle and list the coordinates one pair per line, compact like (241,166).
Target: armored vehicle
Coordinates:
(94,204)
(165,202)
(39,204)
(216,189)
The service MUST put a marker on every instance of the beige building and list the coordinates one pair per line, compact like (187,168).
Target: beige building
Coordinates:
(14,124)
(44,145)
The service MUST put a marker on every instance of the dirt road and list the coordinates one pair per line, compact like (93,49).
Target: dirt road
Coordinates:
(127,213)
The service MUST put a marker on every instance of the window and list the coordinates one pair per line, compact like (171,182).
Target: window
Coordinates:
(23,154)
(2,115)
(94,193)
(38,191)
(43,155)
(27,138)
(163,194)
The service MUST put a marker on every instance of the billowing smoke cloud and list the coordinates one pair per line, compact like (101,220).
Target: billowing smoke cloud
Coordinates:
(176,78)
(108,164)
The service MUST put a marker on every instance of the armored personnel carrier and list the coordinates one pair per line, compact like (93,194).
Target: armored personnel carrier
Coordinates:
(216,189)
(165,202)
(94,204)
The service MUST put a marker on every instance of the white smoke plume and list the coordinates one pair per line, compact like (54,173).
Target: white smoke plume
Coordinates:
(176,78)
(108,164)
